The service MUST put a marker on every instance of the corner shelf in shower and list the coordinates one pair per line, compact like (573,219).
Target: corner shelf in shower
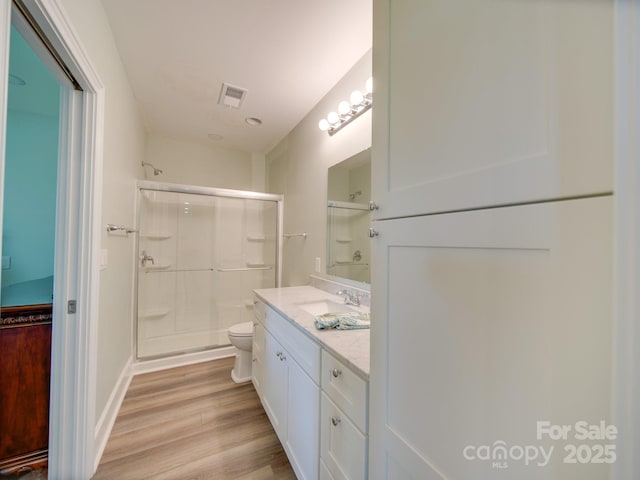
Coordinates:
(155,236)
(256,238)
(343,240)
(156,268)
(161,312)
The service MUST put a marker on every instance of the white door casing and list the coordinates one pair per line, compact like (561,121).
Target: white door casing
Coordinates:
(73,356)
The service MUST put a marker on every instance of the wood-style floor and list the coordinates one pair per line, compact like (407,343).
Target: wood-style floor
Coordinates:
(193,423)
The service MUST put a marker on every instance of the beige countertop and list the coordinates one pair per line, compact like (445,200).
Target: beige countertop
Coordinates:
(349,346)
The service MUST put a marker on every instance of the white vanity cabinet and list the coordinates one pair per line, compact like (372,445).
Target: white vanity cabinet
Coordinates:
(343,422)
(286,375)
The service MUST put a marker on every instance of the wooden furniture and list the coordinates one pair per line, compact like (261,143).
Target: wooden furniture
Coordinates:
(25,362)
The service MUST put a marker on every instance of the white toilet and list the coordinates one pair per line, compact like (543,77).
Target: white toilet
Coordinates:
(241,337)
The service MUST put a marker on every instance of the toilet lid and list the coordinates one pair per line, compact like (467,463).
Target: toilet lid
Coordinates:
(244,329)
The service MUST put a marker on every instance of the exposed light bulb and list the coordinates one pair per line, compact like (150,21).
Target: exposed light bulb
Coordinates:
(369,85)
(344,107)
(333,118)
(323,125)
(356,98)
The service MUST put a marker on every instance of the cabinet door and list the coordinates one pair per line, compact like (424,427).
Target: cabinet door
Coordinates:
(485,323)
(303,422)
(487,102)
(258,357)
(343,447)
(275,385)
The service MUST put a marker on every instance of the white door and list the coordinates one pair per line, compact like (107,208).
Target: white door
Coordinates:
(485,323)
(303,435)
(274,398)
(487,102)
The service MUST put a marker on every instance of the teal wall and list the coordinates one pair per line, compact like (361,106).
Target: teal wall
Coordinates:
(30,178)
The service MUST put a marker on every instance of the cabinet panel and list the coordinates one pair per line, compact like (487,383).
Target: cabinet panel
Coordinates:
(489,102)
(305,350)
(275,386)
(487,322)
(346,389)
(324,472)
(257,357)
(343,447)
(303,435)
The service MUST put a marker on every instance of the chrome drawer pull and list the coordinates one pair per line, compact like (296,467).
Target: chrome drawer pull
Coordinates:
(336,372)
(335,421)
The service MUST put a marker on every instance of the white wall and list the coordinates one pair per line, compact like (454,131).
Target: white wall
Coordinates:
(124,143)
(198,163)
(297,167)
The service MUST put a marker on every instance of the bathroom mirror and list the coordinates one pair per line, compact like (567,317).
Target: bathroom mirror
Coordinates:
(348,195)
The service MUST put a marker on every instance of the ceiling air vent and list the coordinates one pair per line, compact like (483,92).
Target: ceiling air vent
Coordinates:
(232,96)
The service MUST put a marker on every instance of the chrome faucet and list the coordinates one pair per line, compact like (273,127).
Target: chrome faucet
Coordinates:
(350,297)
(144,258)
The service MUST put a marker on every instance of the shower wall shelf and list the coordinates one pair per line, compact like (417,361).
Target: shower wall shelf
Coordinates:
(289,235)
(242,269)
(256,264)
(155,236)
(155,313)
(343,240)
(256,238)
(155,268)
(347,264)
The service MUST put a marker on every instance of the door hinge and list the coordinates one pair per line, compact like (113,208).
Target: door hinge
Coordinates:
(71,306)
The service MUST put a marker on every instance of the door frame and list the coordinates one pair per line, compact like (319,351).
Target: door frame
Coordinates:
(74,336)
(626,375)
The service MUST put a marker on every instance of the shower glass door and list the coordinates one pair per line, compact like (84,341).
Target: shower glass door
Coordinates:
(199,258)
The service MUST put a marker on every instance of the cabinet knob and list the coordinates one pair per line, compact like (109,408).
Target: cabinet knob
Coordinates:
(279,354)
(335,421)
(373,233)
(373,206)
(336,372)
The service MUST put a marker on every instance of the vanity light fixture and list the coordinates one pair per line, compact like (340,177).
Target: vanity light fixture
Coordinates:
(348,111)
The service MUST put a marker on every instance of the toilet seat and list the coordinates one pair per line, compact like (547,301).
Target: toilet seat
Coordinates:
(244,329)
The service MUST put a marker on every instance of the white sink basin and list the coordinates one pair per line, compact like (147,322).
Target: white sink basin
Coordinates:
(320,307)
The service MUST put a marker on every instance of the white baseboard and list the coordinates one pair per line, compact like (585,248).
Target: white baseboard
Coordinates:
(147,366)
(110,412)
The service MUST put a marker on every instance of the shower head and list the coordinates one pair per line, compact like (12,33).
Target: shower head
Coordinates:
(156,171)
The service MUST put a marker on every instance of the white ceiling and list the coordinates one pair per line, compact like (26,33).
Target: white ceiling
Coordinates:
(287,53)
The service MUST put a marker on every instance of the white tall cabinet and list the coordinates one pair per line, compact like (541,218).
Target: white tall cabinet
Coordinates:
(492,167)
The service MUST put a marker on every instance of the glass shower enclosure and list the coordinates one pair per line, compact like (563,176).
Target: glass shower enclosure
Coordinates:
(201,252)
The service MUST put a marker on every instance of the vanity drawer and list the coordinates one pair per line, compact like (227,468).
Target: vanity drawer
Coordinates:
(346,389)
(343,448)
(305,351)
(259,310)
